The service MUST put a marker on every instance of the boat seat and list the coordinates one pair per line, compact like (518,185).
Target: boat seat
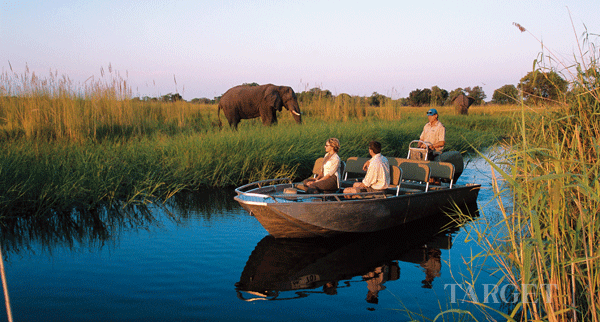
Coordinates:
(395,178)
(317,167)
(439,170)
(341,173)
(414,171)
(353,171)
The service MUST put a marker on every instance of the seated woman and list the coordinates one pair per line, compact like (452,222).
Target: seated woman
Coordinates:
(328,178)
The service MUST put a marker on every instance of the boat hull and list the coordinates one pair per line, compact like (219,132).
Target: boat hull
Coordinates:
(303,219)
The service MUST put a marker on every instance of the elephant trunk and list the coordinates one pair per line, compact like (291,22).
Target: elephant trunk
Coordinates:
(295,110)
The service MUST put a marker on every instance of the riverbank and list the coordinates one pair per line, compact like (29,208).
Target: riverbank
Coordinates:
(40,175)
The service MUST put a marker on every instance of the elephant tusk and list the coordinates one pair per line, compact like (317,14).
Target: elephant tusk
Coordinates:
(295,113)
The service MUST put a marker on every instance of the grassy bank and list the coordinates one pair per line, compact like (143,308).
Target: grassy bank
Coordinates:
(36,175)
(67,145)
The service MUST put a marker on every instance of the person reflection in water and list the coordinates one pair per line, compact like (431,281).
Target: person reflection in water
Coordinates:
(375,280)
(330,288)
(432,266)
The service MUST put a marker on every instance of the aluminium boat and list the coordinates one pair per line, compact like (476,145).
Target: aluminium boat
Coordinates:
(286,212)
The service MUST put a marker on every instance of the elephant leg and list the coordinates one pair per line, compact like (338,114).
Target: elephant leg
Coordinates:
(274,117)
(233,119)
(269,117)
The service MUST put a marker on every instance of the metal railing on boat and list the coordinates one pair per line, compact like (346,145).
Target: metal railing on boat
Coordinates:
(283,197)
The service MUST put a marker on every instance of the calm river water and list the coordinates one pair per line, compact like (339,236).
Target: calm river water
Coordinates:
(202,257)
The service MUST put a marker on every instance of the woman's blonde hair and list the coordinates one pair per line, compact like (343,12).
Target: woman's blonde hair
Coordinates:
(335,144)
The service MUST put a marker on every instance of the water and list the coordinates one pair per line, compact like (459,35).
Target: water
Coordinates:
(202,257)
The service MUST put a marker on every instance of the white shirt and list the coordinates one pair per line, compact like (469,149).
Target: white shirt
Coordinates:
(332,167)
(378,173)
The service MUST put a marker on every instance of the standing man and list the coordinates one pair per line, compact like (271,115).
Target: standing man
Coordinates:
(434,135)
(378,172)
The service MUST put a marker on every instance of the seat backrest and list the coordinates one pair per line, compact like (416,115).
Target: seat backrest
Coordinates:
(396,177)
(354,166)
(440,170)
(414,171)
(417,154)
(341,173)
(317,167)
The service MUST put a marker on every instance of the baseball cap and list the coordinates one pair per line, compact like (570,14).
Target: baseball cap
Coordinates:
(432,111)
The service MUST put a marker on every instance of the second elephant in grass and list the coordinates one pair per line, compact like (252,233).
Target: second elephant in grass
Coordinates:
(462,103)
(247,102)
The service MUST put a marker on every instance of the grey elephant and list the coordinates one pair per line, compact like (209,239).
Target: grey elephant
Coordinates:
(462,103)
(247,102)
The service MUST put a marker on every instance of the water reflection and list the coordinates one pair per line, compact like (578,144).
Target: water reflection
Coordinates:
(323,265)
(95,228)
(203,203)
(91,228)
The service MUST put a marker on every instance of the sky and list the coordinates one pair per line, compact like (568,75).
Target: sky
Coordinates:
(202,48)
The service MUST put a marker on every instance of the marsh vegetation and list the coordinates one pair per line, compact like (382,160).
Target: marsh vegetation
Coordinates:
(66,147)
(548,196)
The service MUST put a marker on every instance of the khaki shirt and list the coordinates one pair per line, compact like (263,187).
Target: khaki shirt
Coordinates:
(434,134)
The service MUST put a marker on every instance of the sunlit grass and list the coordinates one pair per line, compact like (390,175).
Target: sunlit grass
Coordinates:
(548,195)
(70,145)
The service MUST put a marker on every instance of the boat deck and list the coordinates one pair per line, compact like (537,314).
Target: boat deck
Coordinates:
(286,193)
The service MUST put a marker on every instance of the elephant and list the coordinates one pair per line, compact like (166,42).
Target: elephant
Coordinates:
(247,102)
(462,103)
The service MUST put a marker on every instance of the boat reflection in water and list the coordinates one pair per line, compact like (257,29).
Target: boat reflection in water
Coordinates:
(323,265)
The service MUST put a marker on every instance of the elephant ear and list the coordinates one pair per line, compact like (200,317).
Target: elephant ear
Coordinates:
(471,100)
(273,99)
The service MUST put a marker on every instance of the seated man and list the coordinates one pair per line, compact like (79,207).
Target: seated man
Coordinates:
(434,134)
(378,172)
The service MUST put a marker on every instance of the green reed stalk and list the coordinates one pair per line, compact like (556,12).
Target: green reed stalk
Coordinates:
(547,234)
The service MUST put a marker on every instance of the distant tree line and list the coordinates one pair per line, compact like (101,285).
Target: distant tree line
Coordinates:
(165,98)
(535,87)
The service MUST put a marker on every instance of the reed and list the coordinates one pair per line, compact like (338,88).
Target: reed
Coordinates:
(53,108)
(67,145)
(39,175)
(548,197)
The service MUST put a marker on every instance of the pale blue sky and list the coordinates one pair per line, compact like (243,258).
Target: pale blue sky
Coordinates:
(354,47)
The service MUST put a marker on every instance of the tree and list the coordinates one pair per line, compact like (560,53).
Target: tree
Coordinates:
(312,94)
(171,97)
(202,100)
(507,94)
(477,94)
(538,86)
(438,96)
(377,99)
(420,97)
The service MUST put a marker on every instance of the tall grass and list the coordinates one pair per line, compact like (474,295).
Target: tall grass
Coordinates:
(68,145)
(54,108)
(549,230)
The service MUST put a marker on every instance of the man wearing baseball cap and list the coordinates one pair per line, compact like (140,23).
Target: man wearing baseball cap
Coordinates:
(434,135)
